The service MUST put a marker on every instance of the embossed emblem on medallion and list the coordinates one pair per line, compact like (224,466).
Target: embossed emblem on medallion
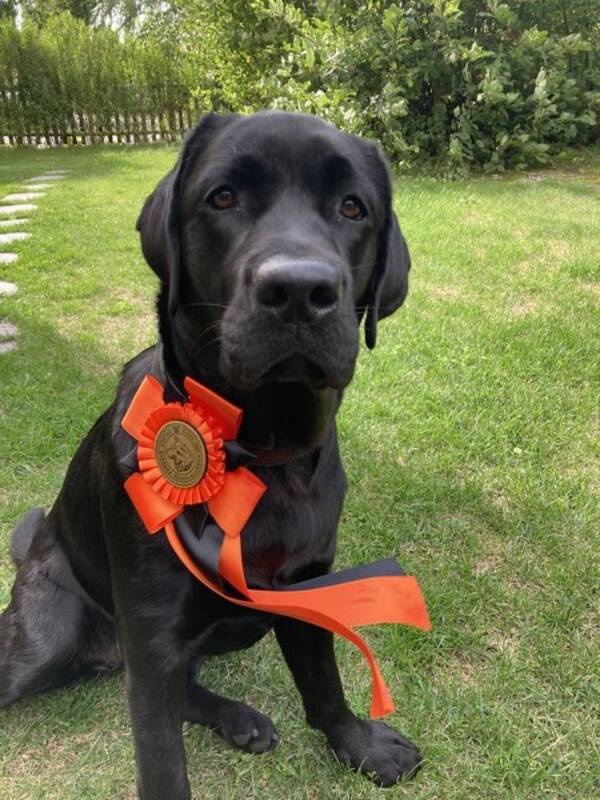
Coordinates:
(180,454)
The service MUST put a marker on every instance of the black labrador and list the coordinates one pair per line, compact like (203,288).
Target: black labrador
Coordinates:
(272,237)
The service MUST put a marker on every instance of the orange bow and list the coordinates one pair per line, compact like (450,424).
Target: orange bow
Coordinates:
(365,595)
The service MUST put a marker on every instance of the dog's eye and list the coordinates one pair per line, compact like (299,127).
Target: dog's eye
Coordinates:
(222,198)
(352,208)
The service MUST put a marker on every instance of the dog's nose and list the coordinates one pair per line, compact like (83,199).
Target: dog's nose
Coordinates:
(297,289)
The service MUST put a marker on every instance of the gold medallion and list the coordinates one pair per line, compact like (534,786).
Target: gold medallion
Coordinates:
(180,454)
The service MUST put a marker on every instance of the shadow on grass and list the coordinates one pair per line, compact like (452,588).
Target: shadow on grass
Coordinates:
(53,388)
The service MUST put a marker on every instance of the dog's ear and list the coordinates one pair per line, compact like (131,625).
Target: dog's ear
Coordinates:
(159,227)
(152,226)
(158,222)
(388,285)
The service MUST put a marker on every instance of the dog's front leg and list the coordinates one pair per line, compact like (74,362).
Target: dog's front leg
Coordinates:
(370,747)
(156,686)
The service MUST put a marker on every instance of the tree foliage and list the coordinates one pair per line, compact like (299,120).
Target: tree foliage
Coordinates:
(461,82)
(40,11)
(8,10)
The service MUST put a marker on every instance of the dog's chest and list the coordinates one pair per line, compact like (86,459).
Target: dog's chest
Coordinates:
(278,549)
(292,527)
(282,543)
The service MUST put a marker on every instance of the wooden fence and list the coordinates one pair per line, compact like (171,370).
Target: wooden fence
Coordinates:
(83,129)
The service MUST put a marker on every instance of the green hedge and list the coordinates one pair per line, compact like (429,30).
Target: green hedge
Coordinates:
(461,83)
(66,78)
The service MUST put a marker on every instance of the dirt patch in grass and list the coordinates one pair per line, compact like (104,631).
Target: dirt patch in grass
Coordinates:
(590,623)
(550,255)
(558,249)
(518,582)
(465,669)
(487,565)
(507,644)
(119,333)
(500,500)
(131,332)
(593,289)
(478,216)
(437,291)
(580,460)
(494,554)
(524,306)
(515,565)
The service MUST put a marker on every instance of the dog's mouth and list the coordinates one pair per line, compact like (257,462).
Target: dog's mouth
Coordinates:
(296,369)
(248,360)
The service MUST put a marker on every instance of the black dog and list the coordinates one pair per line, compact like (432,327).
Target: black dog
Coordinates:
(272,237)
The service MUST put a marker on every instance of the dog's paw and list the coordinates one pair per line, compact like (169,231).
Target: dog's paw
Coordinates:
(375,749)
(246,729)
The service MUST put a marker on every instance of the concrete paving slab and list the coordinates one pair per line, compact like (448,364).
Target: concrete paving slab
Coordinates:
(6,347)
(8,330)
(22,197)
(17,209)
(46,177)
(7,289)
(12,223)
(8,258)
(14,236)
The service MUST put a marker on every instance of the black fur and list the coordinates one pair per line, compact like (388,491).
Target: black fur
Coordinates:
(92,587)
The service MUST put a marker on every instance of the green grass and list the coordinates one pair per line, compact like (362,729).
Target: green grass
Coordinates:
(471,437)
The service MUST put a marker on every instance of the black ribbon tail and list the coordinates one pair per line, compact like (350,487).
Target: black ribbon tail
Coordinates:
(202,539)
(387,567)
(203,546)
(129,462)
(236,455)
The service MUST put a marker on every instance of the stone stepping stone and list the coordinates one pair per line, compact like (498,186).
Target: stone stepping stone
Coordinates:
(39,187)
(8,258)
(6,347)
(46,177)
(12,223)
(7,330)
(17,209)
(22,197)
(7,289)
(14,236)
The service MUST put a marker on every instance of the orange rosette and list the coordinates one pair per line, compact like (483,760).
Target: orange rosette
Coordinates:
(213,472)
(187,465)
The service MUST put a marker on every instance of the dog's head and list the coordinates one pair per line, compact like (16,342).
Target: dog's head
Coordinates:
(273,236)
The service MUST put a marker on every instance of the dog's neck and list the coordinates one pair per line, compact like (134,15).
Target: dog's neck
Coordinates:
(290,416)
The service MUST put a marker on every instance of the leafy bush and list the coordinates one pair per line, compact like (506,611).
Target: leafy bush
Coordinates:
(462,83)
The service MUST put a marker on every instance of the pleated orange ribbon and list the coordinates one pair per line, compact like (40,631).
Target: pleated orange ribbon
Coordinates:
(182,458)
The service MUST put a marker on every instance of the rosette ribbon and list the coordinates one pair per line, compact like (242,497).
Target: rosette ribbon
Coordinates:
(204,524)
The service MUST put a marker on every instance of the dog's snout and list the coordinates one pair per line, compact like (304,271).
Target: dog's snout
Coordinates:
(297,289)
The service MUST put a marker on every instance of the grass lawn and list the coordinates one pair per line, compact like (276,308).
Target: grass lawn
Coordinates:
(471,438)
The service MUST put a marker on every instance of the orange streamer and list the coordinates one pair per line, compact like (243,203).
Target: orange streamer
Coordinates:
(231,497)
